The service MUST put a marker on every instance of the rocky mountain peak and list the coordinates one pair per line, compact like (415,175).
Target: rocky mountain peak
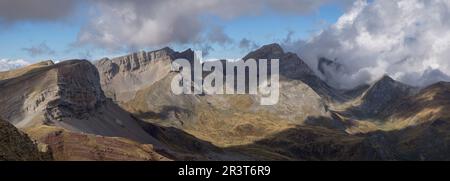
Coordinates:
(187,54)
(47,62)
(78,91)
(290,63)
(386,84)
(293,67)
(134,61)
(384,92)
(123,76)
(17,146)
(266,52)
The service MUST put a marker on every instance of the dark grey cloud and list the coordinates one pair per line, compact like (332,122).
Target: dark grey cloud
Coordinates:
(406,39)
(117,24)
(217,35)
(206,49)
(35,10)
(297,6)
(247,44)
(40,49)
(136,24)
(289,37)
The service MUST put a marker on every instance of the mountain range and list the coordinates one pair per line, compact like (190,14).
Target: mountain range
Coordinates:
(122,109)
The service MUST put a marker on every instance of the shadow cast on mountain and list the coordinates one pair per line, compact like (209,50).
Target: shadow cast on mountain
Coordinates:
(184,146)
(430,141)
(163,114)
(326,122)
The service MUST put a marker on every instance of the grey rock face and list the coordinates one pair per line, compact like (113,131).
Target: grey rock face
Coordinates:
(17,146)
(384,92)
(78,92)
(122,77)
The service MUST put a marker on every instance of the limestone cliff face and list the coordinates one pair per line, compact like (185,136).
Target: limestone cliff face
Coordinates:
(291,65)
(78,93)
(26,92)
(122,77)
(69,89)
(67,95)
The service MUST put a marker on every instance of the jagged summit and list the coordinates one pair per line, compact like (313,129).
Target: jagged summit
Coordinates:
(23,70)
(386,79)
(45,62)
(136,60)
(387,82)
(123,76)
(383,92)
(292,67)
(430,104)
(267,51)
(74,105)
(67,95)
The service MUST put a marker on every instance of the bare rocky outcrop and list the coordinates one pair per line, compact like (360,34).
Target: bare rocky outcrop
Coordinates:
(17,146)
(383,93)
(78,93)
(122,77)
(67,95)
(122,109)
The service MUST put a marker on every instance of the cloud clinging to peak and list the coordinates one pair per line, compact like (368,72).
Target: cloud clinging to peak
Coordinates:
(406,39)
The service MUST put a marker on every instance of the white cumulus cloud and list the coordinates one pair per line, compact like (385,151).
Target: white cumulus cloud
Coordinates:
(406,39)
(8,64)
(120,24)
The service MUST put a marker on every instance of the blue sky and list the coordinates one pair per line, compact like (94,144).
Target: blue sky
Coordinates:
(60,36)
(406,39)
